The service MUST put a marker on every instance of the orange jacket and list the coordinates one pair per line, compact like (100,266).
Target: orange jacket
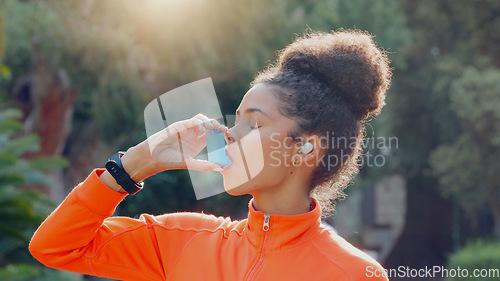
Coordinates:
(78,236)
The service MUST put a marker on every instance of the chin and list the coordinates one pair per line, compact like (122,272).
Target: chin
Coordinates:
(237,187)
(237,182)
(234,190)
(233,193)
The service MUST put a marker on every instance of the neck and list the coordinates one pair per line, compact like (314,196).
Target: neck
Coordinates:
(290,197)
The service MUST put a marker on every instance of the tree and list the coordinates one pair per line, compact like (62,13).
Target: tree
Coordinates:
(468,167)
(446,38)
(22,210)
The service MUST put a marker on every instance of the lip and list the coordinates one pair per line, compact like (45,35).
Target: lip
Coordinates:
(228,155)
(225,167)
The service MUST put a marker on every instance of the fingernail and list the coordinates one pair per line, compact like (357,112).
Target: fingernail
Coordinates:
(217,169)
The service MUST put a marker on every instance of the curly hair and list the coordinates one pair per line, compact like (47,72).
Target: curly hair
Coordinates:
(330,83)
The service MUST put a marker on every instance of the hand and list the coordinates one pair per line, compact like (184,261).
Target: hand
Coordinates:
(172,148)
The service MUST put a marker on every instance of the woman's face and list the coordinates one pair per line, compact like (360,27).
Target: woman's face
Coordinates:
(258,144)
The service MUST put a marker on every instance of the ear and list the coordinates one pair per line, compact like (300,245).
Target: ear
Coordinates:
(311,152)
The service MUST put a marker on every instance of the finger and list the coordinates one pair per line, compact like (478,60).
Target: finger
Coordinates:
(223,129)
(199,128)
(210,123)
(201,165)
(215,124)
(205,120)
(193,123)
(203,136)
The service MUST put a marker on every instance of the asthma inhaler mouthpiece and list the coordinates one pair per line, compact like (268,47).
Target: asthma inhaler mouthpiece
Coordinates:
(216,147)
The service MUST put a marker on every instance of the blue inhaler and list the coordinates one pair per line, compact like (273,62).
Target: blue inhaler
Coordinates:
(216,147)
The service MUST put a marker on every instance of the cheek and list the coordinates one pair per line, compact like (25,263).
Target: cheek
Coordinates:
(254,151)
(266,156)
(277,156)
(248,161)
(258,160)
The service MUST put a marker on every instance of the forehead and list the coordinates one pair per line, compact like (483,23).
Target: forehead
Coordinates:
(262,97)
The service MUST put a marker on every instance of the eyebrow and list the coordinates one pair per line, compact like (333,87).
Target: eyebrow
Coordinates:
(251,110)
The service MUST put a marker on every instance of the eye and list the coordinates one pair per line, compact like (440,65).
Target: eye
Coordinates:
(254,125)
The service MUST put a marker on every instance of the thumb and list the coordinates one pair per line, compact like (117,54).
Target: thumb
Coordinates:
(202,165)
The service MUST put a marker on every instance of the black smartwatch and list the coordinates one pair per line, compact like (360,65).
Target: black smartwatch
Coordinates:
(115,168)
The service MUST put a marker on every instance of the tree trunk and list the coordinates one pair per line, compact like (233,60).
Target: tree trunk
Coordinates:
(86,152)
(427,235)
(495,207)
(47,99)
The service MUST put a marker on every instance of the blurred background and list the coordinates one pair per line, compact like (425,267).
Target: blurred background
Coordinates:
(75,77)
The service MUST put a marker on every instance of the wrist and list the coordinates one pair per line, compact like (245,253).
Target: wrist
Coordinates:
(115,168)
(110,182)
(135,162)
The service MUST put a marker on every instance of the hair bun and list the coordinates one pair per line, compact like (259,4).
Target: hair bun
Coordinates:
(349,62)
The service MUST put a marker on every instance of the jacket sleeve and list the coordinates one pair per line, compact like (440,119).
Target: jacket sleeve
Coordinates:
(78,236)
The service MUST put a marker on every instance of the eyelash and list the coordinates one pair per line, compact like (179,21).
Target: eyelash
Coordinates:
(256,126)
(252,127)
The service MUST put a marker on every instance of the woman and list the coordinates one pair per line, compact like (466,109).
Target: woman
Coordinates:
(306,113)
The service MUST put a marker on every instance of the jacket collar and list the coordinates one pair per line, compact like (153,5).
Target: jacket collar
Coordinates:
(284,230)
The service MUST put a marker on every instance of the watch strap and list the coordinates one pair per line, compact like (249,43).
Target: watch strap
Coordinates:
(115,168)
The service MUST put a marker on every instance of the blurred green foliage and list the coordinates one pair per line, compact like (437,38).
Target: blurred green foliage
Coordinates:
(439,153)
(23,272)
(480,255)
(48,33)
(469,166)
(466,162)
(21,210)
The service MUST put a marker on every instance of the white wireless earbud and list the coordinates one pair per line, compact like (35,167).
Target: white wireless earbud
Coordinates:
(306,148)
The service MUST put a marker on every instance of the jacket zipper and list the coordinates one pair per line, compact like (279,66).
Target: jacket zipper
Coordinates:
(265,227)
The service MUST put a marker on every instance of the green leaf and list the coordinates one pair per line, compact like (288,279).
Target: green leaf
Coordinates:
(10,114)
(21,211)
(23,145)
(10,125)
(19,272)
(11,179)
(46,163)
(6,160)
